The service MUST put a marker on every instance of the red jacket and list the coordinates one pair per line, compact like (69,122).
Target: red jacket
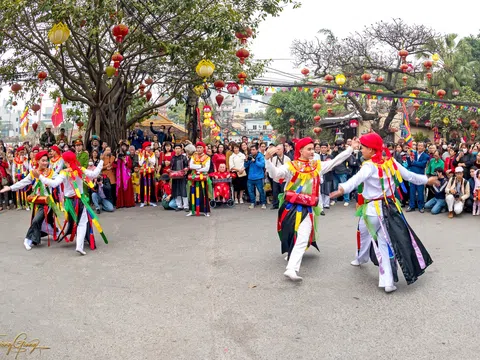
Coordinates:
(3,170)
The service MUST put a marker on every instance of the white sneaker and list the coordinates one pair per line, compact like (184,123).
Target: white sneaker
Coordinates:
(251,206)
(264,206)
(81,252)
(389,289)
(332,203)
(142,205)
(292,275)
(189,214)
(241,201)
(207,214)
(236,201)
(355,263)
(346,204)
(153,204)
(286,258)
(28,244)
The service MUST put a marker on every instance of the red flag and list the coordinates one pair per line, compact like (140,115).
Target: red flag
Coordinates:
(57,115)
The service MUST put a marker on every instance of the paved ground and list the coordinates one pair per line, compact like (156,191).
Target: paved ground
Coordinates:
(170,287)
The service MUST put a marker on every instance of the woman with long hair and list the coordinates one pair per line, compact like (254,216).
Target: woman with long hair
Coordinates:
(95,157)
(219,157)
(236,164)
(125,196)
(170,136)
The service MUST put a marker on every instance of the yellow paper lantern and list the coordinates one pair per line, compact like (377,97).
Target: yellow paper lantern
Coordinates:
(199,89)
(446,120)
(340,79)
(435,57)
(412,95)
(279,111)
(59,33)
(267,123)
(217,137)
(206,122)
(205,69)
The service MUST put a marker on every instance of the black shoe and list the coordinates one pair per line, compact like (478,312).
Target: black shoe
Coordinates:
(409,209)
(178,209)
(422,210)
(274,208)
(326,207)
(98,211)
(322,213)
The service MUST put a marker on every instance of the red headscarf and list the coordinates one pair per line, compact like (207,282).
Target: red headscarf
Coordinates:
(300,144)
(40,154)
(20,148)
(375,142)
(146,144)
(56,149)
(202,144)
(71,159)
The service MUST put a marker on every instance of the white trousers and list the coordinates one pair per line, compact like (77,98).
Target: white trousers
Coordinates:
(385,279)
(303,236)
(454,205)
(179,200)
(82,229)
(325,201)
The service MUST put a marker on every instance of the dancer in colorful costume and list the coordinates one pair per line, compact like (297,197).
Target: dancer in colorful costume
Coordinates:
(199,183)
(80,217)
(146,160)
(45,210)
(300,205)
(20,169)
(56,161)
(382,224)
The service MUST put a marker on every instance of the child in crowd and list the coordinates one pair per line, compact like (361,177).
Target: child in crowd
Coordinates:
(136,183)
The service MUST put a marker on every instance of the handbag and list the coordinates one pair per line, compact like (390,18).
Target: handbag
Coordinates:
(301,199)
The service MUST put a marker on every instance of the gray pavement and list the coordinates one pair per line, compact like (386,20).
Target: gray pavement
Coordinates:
(171,287)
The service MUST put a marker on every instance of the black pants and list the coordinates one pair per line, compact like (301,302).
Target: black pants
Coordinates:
(277,189)
(34,232)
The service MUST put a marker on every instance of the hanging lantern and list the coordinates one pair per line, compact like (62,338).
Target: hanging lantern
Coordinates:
(219,85)
(233,88)
(149,81)
(205,69)
(120,31)
(405,78)
(206,122)
(340,79)
(404,67)
(317,107)
(244,34)
(79,124)
(415,92)
(35,108)
(267,123)
(456,92)
(353,123)
(278,111)
(403,54)
(366,88)
(317,119)
(446,120)
(116,58)
(366,77)
(416,105)
(417,120)
(459,121)
(148,95)
(380,79)
(242,54)
(427,64)
(242,77)
(317,130)
(330,112)
(16,88)
(441,93)
(198,90)
(328,78)
(110,71)
(42,75)
(219,99)
(59,33)
(473,123)
(435,57)
(292,130)
(429,76)
(428,123)
(35,127)
(329,98)
(379,91)
(14,103)
(292,121)
(305,72)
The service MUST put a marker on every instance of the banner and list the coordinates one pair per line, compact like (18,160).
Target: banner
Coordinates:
(57,115)
(24,122)
(406,123)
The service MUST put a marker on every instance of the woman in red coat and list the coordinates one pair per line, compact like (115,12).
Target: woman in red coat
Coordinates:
(124,188)
(449,162)
(219,157)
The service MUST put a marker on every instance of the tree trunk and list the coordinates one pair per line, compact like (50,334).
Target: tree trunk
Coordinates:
(191,116)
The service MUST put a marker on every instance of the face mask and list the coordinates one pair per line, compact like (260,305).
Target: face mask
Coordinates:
(128,152)
(475,152)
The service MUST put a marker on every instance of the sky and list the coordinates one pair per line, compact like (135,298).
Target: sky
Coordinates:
(275,35)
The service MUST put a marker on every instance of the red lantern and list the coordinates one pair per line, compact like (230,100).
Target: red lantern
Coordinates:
(380,79)
(416,105)
(328,78)
(233,88)
(317,107)
(329,98)
(219,98)
(292,121)
(317,130)
(404,67)
(416,92)
(459,121)
(35,127)
(116,58)
(366,88)
(365,77)
(405,78)
(353,123)
(244,34)
(317,118)
(142,87)
(429,76)
(242,54)
(330,111)
(242,77)
(427,64)
(16,88)
(42,75)
(292,130)
(403,54)
(79,124)
(35,107)
(417,121)
(148,95)
(305,72)
(149,81)
(441,93)
(120,31)
(473,123)
(379,91)
(219,85)
(428,123)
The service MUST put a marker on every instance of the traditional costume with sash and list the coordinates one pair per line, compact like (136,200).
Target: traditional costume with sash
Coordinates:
(199,183)
(20,170)
(146,161)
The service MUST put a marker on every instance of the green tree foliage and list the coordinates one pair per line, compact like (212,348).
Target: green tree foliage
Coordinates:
(474,42)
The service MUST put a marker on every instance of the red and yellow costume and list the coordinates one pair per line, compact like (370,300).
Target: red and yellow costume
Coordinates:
(146,161)
(199,183)
(20,170)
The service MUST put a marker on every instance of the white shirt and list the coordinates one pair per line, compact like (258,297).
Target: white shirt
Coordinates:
(237,161)
(199,167)
(284,172)
(68,189)
(28,180)
(372,188)
(276,162)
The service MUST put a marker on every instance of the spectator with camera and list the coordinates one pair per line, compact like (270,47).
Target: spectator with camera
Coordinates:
(438,203)
(255,163)
(136,137)
(101,196)
(465,160)
(457,193)
(161,135)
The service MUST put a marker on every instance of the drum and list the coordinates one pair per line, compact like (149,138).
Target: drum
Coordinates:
(180,174)
(40,200)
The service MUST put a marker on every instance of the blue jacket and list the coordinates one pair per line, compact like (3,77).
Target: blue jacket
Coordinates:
(256,169)
(418,166)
